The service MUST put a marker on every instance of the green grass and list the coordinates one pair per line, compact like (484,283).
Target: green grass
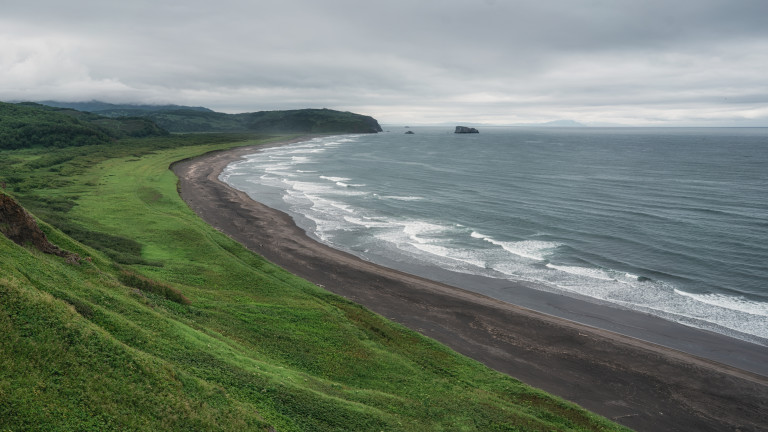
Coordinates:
(190,331)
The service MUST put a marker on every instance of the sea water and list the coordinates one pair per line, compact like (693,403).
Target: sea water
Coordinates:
(667,221)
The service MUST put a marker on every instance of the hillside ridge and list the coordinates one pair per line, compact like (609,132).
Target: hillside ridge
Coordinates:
(179,118)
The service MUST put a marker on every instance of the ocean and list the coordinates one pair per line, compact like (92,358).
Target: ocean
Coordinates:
(671,222)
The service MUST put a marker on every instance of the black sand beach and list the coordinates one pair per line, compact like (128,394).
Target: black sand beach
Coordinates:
(708,383)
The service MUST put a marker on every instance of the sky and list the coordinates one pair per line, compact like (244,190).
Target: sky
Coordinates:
(598,62)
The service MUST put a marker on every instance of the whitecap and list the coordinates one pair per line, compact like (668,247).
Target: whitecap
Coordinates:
(400,198)
(583,271)
(736,303)
(335,179)
(532,249)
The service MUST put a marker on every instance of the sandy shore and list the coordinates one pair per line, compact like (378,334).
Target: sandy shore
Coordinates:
(640,384)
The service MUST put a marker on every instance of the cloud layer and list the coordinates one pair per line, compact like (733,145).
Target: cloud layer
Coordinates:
(687,62)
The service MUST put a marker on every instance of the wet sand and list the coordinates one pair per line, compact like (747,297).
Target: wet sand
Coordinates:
(722,386)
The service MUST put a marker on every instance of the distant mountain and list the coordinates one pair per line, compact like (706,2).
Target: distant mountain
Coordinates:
(553,123)
(562,123)
(177,118)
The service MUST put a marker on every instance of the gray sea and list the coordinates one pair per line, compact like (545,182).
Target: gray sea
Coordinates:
(667,221)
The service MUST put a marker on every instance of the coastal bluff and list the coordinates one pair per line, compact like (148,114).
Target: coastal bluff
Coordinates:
(20,227)
(465,130)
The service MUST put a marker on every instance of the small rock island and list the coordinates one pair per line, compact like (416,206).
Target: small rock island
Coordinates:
(464,129)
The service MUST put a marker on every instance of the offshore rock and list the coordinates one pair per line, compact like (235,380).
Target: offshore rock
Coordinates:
(464,129)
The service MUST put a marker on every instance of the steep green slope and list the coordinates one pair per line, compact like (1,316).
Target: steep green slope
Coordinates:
(102,345)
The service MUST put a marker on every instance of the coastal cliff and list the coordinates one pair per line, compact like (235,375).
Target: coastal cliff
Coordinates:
(20,227)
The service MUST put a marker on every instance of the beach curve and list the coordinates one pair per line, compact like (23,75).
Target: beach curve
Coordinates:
(636,383)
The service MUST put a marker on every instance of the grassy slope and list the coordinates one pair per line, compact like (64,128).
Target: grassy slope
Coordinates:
(256,348)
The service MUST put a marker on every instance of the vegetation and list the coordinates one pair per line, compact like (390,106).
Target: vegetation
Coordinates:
(196,119)
(33,125)
(118,110)
(167,324)
(291,121)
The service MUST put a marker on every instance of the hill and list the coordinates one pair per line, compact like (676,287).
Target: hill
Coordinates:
(119,110)
(175,118)
(33,125)
(153,320)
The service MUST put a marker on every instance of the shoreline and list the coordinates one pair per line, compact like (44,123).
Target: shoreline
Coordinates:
(639,384)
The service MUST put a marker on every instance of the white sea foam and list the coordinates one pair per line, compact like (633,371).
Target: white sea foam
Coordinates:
(349,185)
(343,207)
(736,303)
(398,198)
(531,249)
(321,189)
(414,229)
(335,179)
(449,253)
(583,271)
(368,222)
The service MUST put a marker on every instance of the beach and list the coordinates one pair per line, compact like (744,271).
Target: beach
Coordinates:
(704,382)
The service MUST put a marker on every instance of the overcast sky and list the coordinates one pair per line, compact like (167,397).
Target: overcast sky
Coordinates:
(633,62)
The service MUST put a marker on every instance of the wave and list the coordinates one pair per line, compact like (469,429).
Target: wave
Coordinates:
(450,253)
(335,179)
(735,303)
(532,249)
(398,198)
(368,222)
(342,181)
(416,228)
(592,273)
(314,189)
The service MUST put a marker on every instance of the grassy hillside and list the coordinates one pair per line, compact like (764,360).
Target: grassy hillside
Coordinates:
(171,325)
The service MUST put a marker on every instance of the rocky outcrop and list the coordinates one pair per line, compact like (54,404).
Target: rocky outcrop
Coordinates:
(409,133)
(464,129)
(22,229)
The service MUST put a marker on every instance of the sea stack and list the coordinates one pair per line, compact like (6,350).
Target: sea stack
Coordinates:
(464,129)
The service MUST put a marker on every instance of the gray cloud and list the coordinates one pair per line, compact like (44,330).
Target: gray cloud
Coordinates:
(651,62)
